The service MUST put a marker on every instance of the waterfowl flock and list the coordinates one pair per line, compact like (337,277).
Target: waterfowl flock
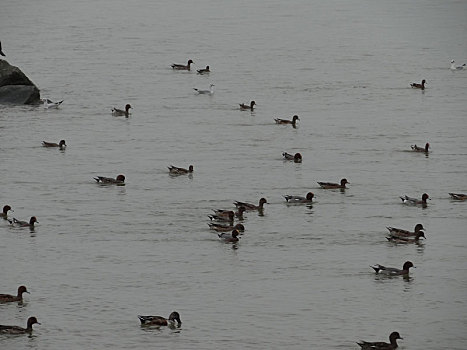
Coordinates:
(223,220)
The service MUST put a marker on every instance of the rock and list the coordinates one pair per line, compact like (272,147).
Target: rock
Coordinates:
(15,86)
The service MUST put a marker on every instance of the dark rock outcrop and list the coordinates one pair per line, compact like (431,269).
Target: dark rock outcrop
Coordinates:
(15,86)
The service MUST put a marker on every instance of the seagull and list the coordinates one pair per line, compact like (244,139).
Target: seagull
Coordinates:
(453,65)
(1,52)
(204,92)
(50,104)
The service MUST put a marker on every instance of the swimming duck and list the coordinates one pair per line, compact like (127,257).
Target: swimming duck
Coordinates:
(229,237)
(7,298)
(245,107)
(380,345)
(50,104)
(454,67)
(332,185)
(180,171)
(300,199)
(227,213)
(182,66)
(297,157)
(60,145)
(249,206)
(118,112)
(203,71)
(293,122)
(119,180)
(19,223)
(19,330)
(228,216)
(4,213)
(415,148)
(405,233)
(224,228)
(1,52)
(405,240)
(418,86)
(414,201)
(392,271)
(456,196)
(205,92)
(161,321)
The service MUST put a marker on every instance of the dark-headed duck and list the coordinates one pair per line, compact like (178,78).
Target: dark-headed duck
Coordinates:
(60,145)
(392,271)
(456,196)
(203,71)
(17,329)
(229,237)
(7,298)
(405,233)
(245,107)
(380,345)
(332,185)
(293,122)
(180,171)
(4,213)
(182,66)
(19,223)
(119,112)
(414,201)
(249,206)
(299,199)
(161,321)
(119,180)
(415,148)
(419,86)
(297,157)
(224,228)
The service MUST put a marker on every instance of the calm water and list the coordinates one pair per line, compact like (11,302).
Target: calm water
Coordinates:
(299,277)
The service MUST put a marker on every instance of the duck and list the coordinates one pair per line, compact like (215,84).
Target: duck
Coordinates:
(182,66)
(60,145)
(1,52)
(7,298)
(456,196)
(227,213)
(405,233)
(224,228)
(205,92)
(392,271)
(245,107)
(229,237)
(419,86)
(332,185)
(379,345)
(293,122)
(250,207)
(414,201)
(405,240)
(4,213)
(299,199)
(228,216)
(161,321)
(415,148)
(19,223)
(180,171)
(454,67)
(119,180)
(50,104)
(19,330)
(119,112)
(297,157)
(204,71)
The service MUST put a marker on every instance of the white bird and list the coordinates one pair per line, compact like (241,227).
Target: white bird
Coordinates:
(50,104)
(201,92)
(453,66)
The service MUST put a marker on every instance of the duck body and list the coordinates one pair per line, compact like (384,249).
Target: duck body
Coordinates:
(297,157)
(458,196)
(392,271)
(228,213)
(20,223)
(398,232)
(405,240)
(160,321)
(180,171)
(119,180)
(332,185)
(223,228)
(415,148)
(120,112)
(454,67)
(245,107)
(61,144)
(414,201)
(8,298)
(204,71)
(292,122)
(176,66)
(4,213)
(251,207)
(19,330)
(418,86)
(227,216)
(379,345)
(205,92)
(299,199)
(229,237)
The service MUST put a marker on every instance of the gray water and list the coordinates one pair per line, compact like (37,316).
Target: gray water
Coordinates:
(299,277)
